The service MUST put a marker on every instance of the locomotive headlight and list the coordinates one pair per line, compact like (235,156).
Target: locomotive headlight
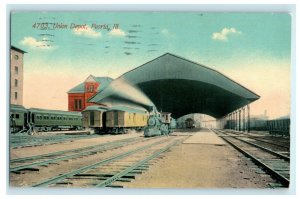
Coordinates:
(151,121)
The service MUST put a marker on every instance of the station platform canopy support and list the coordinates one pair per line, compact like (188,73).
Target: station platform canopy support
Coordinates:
(180,86)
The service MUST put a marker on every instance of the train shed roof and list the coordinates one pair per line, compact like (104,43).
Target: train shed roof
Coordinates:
(180,86)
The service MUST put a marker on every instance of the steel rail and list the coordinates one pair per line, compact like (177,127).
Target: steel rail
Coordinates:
(15,142)
(95,165)
(274,173)
(99,149)
(66,151)
(135,166)
(263,148)
(275,144)
(254,137)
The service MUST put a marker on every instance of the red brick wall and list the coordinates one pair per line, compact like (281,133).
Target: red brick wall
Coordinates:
(71,100)
(83,96)
(88,84)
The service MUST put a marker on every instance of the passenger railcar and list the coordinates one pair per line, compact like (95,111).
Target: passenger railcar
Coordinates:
(189,123)
(18,118)
(121,118)
(33,120)
(94,118)
(49,120)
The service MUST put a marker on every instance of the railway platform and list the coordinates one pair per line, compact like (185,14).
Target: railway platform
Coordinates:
(205,136)
(203,160)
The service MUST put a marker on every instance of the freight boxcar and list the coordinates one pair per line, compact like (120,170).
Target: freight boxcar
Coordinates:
(279,126)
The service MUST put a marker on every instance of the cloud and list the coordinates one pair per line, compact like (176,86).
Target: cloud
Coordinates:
(167,33)
(86,31)
(34,43)
(117,33)
(223,35)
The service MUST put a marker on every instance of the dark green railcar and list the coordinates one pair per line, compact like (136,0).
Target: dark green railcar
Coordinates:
(48,120)
(18,118)
(279,126)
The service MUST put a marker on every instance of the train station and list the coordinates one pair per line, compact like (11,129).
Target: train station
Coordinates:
(212,146)
(143,105)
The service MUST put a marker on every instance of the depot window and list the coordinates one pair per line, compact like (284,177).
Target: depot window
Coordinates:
(78,104)
(92,88)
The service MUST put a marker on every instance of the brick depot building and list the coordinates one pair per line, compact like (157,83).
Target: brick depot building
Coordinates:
(79,95)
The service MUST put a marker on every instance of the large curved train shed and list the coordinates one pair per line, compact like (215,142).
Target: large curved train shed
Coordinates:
(180,86)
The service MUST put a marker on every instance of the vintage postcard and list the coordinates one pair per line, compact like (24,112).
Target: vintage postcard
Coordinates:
(150,100)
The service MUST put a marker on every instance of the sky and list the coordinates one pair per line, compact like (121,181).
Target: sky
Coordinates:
(254,49)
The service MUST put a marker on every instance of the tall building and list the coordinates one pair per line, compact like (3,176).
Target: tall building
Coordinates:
(79,95)
(16,75)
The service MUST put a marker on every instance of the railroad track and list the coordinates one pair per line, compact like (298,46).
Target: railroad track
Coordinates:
(273,145)
(276,164)
(279,141)
(32,162)
(18,141)
(121,167)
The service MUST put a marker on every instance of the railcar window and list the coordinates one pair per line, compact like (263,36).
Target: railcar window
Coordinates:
(17,116)
(44,117)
